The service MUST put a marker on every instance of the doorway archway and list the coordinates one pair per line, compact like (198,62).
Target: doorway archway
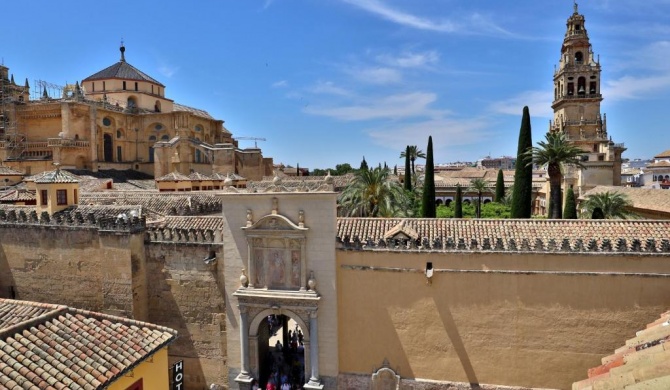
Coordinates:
(108,151)
(280,351)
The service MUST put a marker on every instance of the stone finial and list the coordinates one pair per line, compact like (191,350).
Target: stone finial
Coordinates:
(228,182)
(329,179)
(250,220)
(311,282)
(244,280)
(301,218)
(275,206)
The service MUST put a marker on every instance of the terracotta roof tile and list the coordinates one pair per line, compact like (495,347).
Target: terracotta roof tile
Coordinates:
(174,176)
(56,176)
(508,234)
(156,204)
(46,346)
(643,359)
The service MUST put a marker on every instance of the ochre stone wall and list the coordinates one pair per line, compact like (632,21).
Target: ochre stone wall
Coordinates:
(517,319)
(119,273)
(188,295)
(76,267)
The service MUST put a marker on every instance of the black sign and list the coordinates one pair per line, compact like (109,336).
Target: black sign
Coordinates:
(178,375)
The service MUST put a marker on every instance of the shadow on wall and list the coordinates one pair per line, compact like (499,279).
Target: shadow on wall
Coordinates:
(181,296)
(7,283)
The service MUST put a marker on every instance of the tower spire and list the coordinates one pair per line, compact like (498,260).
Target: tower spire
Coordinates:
(123,50)
(575,5)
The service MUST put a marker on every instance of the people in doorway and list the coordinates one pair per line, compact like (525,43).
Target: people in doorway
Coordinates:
(300,337)
(278,346)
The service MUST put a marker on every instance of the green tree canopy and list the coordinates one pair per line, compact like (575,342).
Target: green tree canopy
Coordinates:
(414,153)
(428,197)
(554,153)
(372,194)
(612,204)
(523,174)
(500,187)
(570,211)
(478,186)
(458,202)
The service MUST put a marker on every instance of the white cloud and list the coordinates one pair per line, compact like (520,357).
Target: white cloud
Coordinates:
(167,70)
(267,4)
(380,9)
(408,105)
(280,84)
(633,87)
(538,102)
(409,59)
(328,88)
(376,75)
(446,132)
(473,24)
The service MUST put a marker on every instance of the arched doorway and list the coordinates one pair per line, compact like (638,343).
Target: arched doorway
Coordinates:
(108,151)
(281,352)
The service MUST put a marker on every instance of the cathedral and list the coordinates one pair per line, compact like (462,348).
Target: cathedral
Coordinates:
(118,118)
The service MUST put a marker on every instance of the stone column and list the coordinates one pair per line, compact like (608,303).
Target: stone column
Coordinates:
(244,379)
(314,381)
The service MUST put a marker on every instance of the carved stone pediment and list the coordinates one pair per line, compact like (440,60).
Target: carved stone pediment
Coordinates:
(274,222)
(277,252)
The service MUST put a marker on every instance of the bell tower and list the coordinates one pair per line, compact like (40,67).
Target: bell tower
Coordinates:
(576,107)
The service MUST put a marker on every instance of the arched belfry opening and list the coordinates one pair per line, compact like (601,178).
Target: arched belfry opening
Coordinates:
(278,304)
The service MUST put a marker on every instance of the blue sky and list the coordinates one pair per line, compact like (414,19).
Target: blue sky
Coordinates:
(331,81)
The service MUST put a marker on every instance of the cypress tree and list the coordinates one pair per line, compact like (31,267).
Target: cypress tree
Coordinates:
(408,172)
(364,165)
(500,187)
(395,170)
(523,173)
(570,210)
(458,203)
(428,202)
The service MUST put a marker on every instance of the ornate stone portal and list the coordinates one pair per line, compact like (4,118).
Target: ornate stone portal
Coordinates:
(276,283)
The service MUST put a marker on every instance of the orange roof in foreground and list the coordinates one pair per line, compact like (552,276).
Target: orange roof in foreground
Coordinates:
(642,363)
(55,346)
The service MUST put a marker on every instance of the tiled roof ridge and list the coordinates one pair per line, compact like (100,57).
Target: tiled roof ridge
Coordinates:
(649,236)
(27,324)
(105,73)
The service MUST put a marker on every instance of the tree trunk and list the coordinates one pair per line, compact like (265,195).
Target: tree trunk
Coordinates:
(555,178)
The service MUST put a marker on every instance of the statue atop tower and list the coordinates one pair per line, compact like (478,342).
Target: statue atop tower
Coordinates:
(576,108)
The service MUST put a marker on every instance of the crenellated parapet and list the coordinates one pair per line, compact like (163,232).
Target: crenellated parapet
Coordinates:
(183,235)
(73,220)
(481,235)
(498,244)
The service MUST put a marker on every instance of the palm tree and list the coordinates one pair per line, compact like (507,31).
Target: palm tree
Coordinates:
(478,186)
(614,205)
(554,153)
(414,153)
(372,194)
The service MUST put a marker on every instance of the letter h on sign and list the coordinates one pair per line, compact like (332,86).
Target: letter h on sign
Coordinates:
(178,375)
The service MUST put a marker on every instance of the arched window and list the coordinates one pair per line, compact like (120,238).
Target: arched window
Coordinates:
(198,127)
(132,103)
(152,138)
(198,156)
(579,57)
(157,106)
(165,138)
(581,86)
(119,133)
(592,88)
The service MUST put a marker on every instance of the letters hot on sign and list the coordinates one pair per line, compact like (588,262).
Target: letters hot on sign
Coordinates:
(178,375)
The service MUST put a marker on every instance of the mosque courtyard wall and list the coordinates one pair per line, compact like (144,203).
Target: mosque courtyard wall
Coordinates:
(536,320)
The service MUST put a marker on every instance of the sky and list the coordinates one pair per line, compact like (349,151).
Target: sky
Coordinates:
(327,82)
